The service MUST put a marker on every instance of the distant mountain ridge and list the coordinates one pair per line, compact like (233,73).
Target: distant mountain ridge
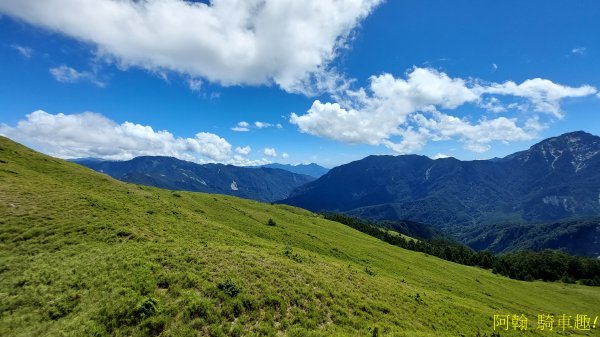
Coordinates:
(311,169)
(555,179)
(262,184)
(576,236)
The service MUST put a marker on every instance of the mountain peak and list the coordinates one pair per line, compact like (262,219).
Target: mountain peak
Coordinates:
(573,149)
(570,138)
(554,179)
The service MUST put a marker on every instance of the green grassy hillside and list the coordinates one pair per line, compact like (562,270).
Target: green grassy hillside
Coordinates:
(82,254)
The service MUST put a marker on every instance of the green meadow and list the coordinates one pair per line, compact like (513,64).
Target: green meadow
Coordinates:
(82,254)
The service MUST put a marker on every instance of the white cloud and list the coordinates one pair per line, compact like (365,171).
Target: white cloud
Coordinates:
(475,136)
(412,141)
(241,127)
(262,125)
(270,152)
(407,109)
(92,135)
(287,42)
(373,118)
(243,150)
(239,160)
(245,126)
(65,74)
(544,95)
(439,156)
(26,52)
(285,155)
(194,84)
(579,50)
(209,145)
(492,104)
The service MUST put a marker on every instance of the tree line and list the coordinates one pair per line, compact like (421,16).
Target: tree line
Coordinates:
(546,265)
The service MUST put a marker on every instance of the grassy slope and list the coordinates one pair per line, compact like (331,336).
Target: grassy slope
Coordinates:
(82,255)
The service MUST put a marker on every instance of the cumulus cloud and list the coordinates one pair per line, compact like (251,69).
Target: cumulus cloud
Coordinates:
(372,118)
(26,52)
(270,152)
(65,74)
(409,110)
(92,135)
(287,42)
(285,155)
(262,125)
(544,95)
(243,150)
(475,136)
(240,160)
(241,127)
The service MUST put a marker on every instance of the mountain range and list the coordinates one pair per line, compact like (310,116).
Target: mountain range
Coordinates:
(259,183)
(579,236)
(554,179)
(557,178)
(532,199)
(311,169)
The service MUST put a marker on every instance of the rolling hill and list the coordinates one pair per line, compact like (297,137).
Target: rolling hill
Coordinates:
(83,254)
(262,184)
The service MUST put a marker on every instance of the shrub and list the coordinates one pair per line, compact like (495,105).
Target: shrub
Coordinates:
(229,287)
(144,309)
(271,222)
(289,253)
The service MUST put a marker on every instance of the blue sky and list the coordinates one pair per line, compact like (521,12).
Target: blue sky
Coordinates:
(330,81)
